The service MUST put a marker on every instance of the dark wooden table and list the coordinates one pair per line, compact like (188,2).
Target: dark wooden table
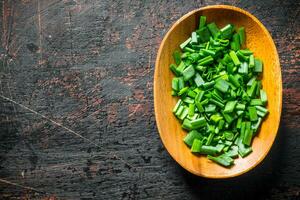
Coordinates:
(76,103)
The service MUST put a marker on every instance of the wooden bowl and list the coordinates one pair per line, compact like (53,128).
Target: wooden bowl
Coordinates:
(260,42)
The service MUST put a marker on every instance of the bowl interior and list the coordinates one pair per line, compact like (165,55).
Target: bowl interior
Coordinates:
(261,43)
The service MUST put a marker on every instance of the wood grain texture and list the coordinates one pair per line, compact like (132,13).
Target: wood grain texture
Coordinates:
(89,66)
(171,133)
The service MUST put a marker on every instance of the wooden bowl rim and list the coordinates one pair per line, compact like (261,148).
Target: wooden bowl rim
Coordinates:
(236,9)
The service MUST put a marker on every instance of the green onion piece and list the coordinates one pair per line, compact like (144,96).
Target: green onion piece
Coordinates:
(217,103)
(206,60)
(251,90)
(243,151)
(235,44)
(261,114)
(221,124)
(210,108)
(251,61)
(242,132)
(258,88)
(174,70)
(228,135)
(194,38)
(233,152)
(240,106)
(204,102)
(175,84)
(258,65)
(199,107)
(180,83)
(204,34)
(185,55)
(263,97)
(198,123)
(191,136)
(230,105)
(179,111)
(183,90)
(192,94)
(239,123)
(246,52)
(196,147)
(229,117)
(202,22)
(187,124)
(252,113)
(240,112)
(222,85)
(188,72)
(191,109)
(226,31)
(241,56)
(251,81)
(234,58)
(181,67)
(176,57)
(185,43)
(208,85)
(194,57)
(198,80)
(255,126)
(177,106)
(209,139)
(261,109)
(217,96)
(214,30)
(184,113)
(188,100)
(210,150)
(242,35)
(199,96)
(248,134)
(243,69)
(221,160)
(207,52)
(216,118)
(256,102)
(234,81)
(189,50)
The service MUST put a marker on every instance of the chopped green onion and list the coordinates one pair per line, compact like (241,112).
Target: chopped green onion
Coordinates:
(219,86)
(188,72)
(202,22)
(242,35)
(263,97)
(214,30)
(176,57)
(196,147)
(222,85)
(189,138)
(198,80)
(252,113)
(256,102)
(198,123)
(222,160)
(230,105)
(234,58)
(258,67)
(185,43)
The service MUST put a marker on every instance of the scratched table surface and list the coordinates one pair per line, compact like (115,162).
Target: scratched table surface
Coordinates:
(76,103)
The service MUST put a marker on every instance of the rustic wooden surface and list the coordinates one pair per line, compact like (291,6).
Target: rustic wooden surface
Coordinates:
(76,103)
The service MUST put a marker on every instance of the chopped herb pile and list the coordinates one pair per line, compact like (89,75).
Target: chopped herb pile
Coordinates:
(222,103)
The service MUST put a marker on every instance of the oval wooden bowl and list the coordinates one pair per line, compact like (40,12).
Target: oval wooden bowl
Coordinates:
(260,42)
